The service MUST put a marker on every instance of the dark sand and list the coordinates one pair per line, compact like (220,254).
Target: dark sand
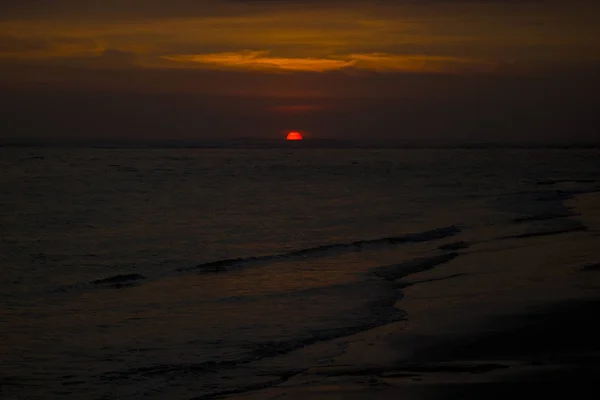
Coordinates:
(555,350)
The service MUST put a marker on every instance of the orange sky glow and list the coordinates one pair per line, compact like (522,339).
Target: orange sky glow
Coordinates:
(303,63)
(444,37)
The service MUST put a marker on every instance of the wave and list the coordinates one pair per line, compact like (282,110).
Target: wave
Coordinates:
(560,195)
(558,181)
(129,280)
(120,280)
(545,216)
(397,271)
(381,311)
(323,250)
(548,232)
(591,267)
(455,246)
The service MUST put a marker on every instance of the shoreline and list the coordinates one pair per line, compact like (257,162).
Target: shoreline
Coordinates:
(481,325)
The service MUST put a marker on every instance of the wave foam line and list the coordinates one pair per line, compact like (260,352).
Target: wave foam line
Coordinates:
(227,264)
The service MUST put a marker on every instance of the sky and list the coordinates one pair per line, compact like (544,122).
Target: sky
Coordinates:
(409,70)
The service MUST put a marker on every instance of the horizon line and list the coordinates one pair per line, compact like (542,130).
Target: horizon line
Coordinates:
(249,143)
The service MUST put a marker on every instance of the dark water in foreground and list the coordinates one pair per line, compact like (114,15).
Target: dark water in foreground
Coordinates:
(170,273)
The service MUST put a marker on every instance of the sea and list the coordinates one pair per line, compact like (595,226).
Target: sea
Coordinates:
(180,273)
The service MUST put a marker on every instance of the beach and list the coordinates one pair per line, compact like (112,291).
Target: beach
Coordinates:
(501,319)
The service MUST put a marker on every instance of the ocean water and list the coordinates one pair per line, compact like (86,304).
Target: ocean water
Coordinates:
(178,273)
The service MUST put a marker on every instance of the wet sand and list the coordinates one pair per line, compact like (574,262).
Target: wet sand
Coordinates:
(505,318)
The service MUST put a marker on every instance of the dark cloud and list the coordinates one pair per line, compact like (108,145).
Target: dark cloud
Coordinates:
(380,2)
(58,9)
(17,45)
(134,9)
(11,44)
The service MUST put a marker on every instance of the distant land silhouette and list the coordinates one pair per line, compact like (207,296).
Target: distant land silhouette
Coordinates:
(244,142)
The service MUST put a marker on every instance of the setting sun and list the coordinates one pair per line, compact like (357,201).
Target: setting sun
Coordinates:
(294,136)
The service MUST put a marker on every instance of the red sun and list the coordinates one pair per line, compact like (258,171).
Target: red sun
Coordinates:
(294,136)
